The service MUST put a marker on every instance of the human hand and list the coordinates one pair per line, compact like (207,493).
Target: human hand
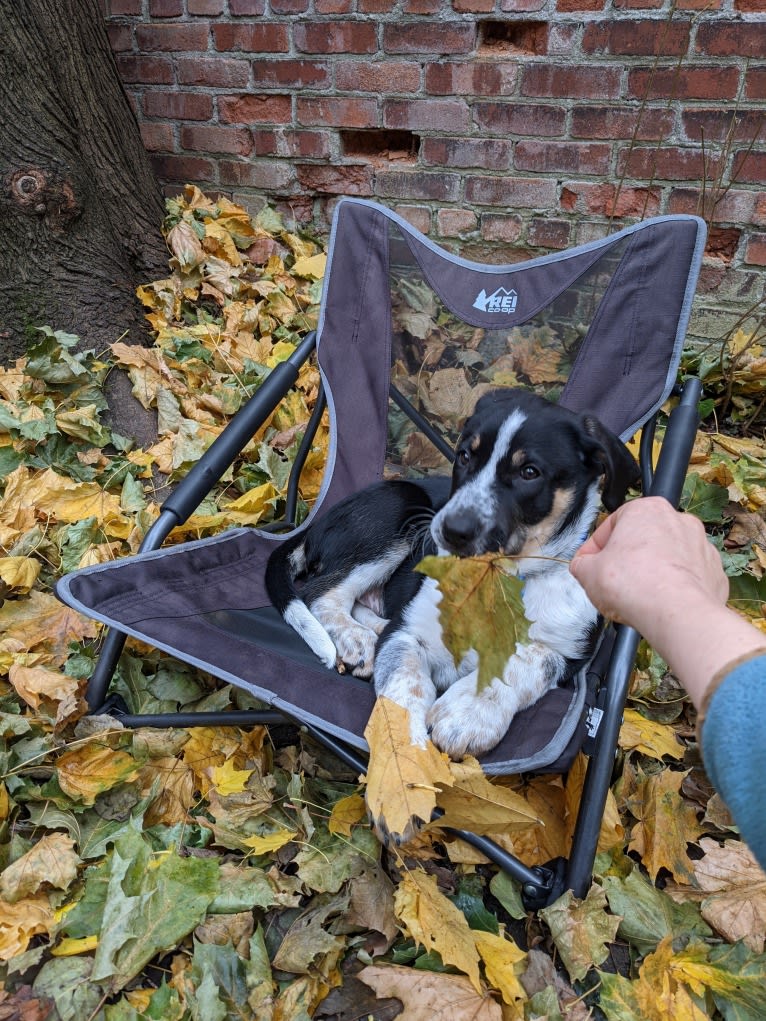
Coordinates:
(646,560)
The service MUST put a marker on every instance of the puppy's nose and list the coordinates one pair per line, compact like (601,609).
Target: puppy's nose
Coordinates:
(460,529)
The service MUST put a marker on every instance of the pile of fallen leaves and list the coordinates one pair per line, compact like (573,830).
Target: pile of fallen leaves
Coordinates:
(222,873)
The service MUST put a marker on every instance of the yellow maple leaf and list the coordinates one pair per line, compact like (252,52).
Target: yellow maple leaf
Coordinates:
(51,861)
(34,683)
(70,947)
(649,737)
(40,619)
(21,921)
(666,823)
(435,923)
(474,802)
(402,779)
(429,996)
(345,814)
(19,573)
(312,266)
(227,779)
(504,962)
(661,989)
(269,841)
(85,772)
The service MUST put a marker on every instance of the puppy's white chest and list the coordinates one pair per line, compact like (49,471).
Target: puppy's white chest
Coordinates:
(422,619)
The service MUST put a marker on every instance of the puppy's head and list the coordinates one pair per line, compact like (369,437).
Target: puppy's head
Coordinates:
(528,477)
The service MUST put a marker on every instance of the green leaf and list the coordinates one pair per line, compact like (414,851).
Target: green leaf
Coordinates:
(706,500)
(481,609)
(618,999)
(648,914)
(69,983)
(748,594)
(150,906)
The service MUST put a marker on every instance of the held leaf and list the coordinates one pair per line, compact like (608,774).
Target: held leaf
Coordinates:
(481,608)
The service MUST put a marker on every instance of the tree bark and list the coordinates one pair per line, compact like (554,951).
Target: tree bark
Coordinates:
(80,209)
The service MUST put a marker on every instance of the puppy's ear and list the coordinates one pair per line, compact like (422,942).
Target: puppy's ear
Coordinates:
(616,461)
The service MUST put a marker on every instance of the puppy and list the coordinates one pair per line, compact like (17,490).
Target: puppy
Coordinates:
(527,482)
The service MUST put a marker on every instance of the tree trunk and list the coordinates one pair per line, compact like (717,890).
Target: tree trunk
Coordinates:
(80,209)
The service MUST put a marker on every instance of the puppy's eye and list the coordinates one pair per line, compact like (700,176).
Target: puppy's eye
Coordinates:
(529,472)
(463,457)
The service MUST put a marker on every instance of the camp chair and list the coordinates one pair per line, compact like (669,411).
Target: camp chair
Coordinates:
(408,336)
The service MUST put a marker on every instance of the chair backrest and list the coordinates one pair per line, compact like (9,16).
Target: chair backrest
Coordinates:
(599,327)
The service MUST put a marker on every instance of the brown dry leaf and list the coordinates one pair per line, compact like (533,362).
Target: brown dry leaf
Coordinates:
(474,802)
(40,619)
(649,737)
(612,832)
(35,683)
(451,397)
(429,996)
(549,839)
(64,500)
(667,822)
(85,772)
(402,779)
(581,929)
(434,922)
(176,794)
(20,922)
(19,573)
(538,363)
(52,861)
(732,891)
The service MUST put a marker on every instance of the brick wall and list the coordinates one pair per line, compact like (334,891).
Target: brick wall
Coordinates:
(503,128)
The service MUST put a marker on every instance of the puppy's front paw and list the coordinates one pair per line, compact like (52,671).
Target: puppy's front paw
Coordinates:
(464,723)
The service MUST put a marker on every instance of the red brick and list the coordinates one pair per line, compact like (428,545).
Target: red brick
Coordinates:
(338,113)
(750,5)
(291,144)
(578,82)
(548,233)
(733,205)
(247,8)
(289,6)
(716,83)
(348,180)
(755,83)
(336,37)
(495,227)
(607,200)
(521,6)
(157,137)
(699,5)
(246,37)
(172,37)
(519,118)
(419,217)
(426,114)
(569,157)
(511,192)
(667,163)
(621,122)
(501,39)
(481,153)
(759,213)
(637,5)
(468,7)
(299,74)
(636,37)
(255,109)
(333,6)
(376,76)
(183,168)
(213,72)
(214,138)
(135,69)
(436,187)
(732,39)
(126,8)
(185,106)
(421,6)
(477,78)
(573,6)
(212,8)
(429,37)
(739,125)
(722,242)
(749,167)
(271,176)
(120,38)
(755,250)
(165,8)
(454,222)
(375,6)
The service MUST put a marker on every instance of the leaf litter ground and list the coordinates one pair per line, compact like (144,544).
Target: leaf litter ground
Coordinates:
(221,873)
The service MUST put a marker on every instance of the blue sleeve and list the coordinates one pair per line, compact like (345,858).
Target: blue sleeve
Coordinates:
(734,749)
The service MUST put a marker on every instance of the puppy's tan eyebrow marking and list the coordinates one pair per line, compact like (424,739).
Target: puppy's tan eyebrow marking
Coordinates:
(475,443)
(519,458)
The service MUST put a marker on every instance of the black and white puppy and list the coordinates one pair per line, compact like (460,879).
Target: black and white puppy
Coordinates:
(528,480)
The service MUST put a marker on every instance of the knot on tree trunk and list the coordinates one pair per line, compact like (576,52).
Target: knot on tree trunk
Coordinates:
(37,192)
